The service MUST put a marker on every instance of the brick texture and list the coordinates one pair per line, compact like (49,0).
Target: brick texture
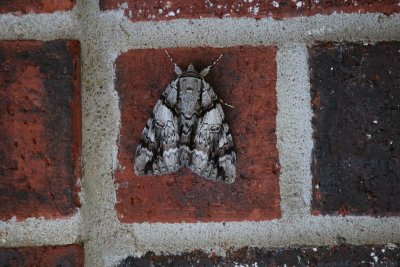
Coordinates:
(40,126)
(61,256)
(245,78)
(138,10)
(346,255)
(355,98)
(35,6)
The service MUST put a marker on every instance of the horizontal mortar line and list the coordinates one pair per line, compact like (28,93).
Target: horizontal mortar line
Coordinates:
(39,231)
(306,231)
(216,32)
(58,25)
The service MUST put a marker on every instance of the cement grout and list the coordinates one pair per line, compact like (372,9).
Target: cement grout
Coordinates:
(39,231)
(310,230)
(294,131)
(243,31)
(370,27)
(46,27)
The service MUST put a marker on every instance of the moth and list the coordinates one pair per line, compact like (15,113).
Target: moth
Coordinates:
(187,129)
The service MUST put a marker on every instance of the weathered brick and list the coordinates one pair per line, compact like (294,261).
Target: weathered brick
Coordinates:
(35,6)
(138,10)
(355,98)
(345,255)
(61,256)
(40,128)
(245,78)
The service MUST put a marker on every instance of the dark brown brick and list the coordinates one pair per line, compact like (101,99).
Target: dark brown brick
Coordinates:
(35,6)
(356,102)
(245,77)
(164,10)
(61,256)
(346,255)
(40,128)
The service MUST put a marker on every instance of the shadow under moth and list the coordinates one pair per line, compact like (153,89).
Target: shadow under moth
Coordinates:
(187,129)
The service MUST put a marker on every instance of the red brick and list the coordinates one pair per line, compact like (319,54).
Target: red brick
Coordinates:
(161,10)
(345,255)
(40,128)
(356,158)
(35,6)
(62,256)
(245,77)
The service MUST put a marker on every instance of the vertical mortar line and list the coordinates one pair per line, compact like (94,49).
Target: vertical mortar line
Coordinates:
(101,42)
(294,131)
(86,12)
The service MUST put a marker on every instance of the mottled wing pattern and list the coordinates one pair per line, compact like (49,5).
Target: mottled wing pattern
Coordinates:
(158,151)
(213,155)
(187,128)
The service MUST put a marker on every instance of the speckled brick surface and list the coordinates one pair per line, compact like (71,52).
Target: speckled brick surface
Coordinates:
(346,255)
(60,256)
(165,10)
(245,78)
(39,128)
(35,6)
(356,102)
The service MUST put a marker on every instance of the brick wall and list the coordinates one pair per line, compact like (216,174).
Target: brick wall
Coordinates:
(315,91)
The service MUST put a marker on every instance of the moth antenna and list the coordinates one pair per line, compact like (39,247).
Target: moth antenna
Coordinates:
(204,72)
(226,104)
(178,70)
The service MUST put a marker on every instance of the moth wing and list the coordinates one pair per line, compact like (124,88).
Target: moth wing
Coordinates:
(213,156)
(157,152)
(208,97)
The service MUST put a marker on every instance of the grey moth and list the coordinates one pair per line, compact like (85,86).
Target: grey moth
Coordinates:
(187,129)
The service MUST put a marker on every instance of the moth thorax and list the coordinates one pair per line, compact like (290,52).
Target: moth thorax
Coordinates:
(189,95)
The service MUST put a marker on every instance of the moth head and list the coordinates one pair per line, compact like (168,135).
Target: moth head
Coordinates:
(190,72)
(191,68)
